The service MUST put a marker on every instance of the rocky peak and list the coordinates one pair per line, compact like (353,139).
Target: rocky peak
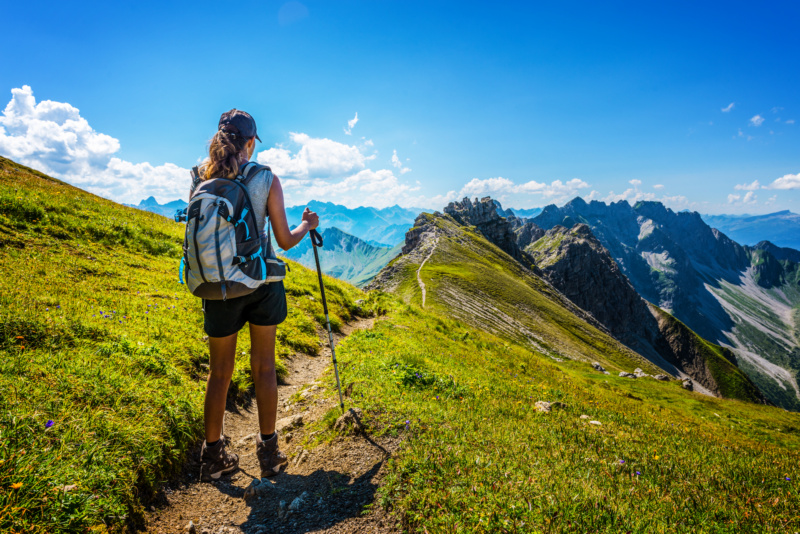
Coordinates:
(482,214)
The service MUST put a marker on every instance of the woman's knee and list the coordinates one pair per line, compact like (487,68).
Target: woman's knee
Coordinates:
(265,367)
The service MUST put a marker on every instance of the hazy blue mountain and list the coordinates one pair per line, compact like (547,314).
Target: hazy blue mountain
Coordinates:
(167,210)
(387,226)
(742,298)
(519,213)
(344,256)
(781,228)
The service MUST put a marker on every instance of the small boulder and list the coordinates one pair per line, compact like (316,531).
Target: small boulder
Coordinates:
(190,528)
(598,367)
(661,377)
(639,373)
(584,416)
(595,423)
(623,374)
(542,406)
(687,384)
(350,419)
(288,423)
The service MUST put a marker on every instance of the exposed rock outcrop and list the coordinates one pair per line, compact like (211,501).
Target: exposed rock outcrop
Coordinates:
(482,214)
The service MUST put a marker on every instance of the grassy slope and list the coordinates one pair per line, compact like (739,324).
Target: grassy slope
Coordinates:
(97,335)
(732,382)
(479,458)
(465,262)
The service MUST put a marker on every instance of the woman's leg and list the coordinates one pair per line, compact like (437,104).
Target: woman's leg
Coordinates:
(223,359)
(262,367)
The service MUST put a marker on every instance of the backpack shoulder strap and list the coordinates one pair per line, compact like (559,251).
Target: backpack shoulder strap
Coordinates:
(250,170)
(195,173)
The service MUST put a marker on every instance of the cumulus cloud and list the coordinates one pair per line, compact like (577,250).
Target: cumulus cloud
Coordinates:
(787,181)
(757,120)
(556,191)
(53,138)
(749,198)
(316,157)
(351,124)
(396,163)
(727,108)
(748,187)
(635,183)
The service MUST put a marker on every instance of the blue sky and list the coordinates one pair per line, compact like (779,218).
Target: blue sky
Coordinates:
(533,104)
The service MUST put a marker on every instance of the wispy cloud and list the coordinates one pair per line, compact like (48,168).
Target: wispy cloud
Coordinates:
(396,163)
(658,186)
(757,120)
(351,124)
(749,198)
(789,121)
(727,108)
(748,187)
(635,183)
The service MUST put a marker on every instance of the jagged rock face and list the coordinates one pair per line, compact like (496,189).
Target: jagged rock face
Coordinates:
(780,253)
(482,214)
(575,262)
(526,231)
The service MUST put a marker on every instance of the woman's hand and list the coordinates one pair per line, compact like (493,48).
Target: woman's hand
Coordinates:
(311,218)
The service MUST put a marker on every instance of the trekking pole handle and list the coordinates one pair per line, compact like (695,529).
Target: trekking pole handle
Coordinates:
(316,238)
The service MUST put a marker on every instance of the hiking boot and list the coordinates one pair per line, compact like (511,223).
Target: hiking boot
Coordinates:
(216,460)
(272,460)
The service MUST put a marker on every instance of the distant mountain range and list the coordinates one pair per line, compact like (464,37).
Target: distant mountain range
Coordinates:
(781,228)
(344,256)
(379,227)
(167,210)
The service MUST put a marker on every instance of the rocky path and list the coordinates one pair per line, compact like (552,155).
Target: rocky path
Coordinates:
(327,487)
(421,265)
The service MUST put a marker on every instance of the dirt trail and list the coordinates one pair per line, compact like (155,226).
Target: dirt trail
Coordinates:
(339,479)
(421,265)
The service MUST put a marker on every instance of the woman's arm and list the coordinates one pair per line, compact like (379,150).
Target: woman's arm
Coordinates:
(286,238)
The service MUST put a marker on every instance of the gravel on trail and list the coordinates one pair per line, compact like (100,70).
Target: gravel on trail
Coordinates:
(330,487)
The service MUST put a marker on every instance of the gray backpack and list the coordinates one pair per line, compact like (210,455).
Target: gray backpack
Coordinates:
(223,253)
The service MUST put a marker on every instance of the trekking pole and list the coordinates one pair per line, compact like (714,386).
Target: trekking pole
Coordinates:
(316,241)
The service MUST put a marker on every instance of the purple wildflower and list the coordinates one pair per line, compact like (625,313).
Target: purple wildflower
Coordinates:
(638,473)
(47,309)
(49,423)
(58,307)
(622,461)
(788,479)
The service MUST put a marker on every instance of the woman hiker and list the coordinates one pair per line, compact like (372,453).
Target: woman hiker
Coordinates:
(230,150)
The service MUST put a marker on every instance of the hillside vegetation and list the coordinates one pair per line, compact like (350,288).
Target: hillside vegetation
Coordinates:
(99,339)
(102,358)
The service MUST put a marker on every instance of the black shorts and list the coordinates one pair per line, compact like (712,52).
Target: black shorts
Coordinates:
(266,306)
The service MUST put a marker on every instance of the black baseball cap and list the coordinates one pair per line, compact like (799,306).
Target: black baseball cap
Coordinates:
(241,121)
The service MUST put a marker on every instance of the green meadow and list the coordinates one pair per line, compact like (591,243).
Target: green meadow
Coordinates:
(102,378)
(102,356)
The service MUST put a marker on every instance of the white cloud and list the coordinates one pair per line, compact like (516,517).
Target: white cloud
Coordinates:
(757,120)
(748,187)
(351,124)
(53,138)
(317,157)
(771,200)
(398,164)
(727,108)
(789,121)
(635,183)
(787,181)
(631,195)
(556,191)
(749,198)
(658,186)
